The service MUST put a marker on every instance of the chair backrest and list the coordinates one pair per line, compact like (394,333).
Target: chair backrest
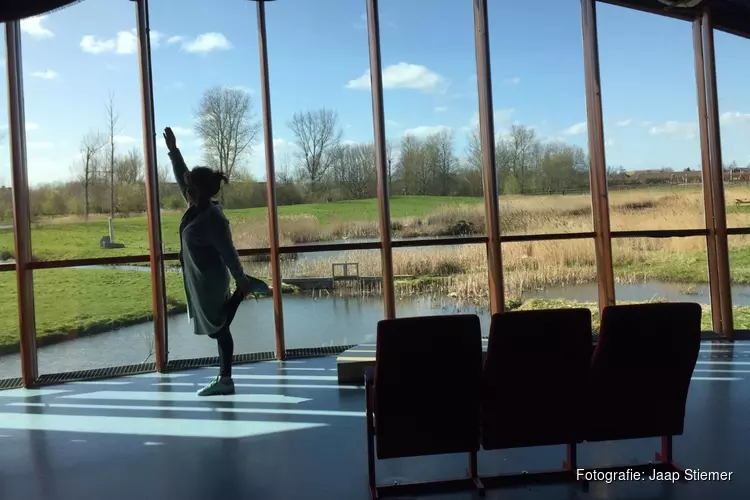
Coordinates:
(536,365)
(641,370)
(426,394)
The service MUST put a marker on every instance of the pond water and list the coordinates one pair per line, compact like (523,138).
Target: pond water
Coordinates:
(309,322)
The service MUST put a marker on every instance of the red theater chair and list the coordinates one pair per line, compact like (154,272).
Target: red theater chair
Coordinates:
(534,386)
(423,396)
(640,374)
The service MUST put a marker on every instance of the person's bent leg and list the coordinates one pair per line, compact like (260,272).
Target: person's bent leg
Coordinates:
(223,385)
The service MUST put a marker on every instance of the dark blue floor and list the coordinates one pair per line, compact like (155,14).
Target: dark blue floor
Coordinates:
(292,433)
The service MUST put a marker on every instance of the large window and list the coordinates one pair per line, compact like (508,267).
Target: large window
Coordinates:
(734,121)
(10,362)
(326,183)
(540,118)
(653,149)
(206,89)
(87,192)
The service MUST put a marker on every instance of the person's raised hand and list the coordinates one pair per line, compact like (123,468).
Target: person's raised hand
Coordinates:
(170,139)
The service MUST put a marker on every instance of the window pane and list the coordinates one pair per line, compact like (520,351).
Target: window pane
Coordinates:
(10,359)
(540,123)
(669,269)
(430,110)
(332,298)
(434,280)
(94,317)
(739,269)
(199,110)
(323,138)
(252,328)
(653,149)
(85,160)
(550,275)
(734,109)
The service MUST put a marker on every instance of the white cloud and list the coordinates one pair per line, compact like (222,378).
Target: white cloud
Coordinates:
(32,126)
(46,75)
(243,88)
(675,130)
(427,130)
(33,27)
(624,123)
(441,109)
(734,118)
(646,124)
(577,129)
(40,144)
(392,123)
(175,39)
(124,43)
(124,139)
(609,143)
(501,118)
(205,43)
(512,81)
(182,132)
(402,76)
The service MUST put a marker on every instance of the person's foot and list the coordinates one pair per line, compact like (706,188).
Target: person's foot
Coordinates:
(220,386)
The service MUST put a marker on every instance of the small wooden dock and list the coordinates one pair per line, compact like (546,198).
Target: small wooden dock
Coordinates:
(342,274)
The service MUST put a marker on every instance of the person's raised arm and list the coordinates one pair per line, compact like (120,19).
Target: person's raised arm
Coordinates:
(178,163)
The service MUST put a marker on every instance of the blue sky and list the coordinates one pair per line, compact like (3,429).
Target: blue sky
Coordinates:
(318,57)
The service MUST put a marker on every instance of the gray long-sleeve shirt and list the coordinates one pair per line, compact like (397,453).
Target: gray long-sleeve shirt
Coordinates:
(206,252)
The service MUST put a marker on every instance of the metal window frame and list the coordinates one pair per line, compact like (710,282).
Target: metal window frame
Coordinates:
(715,231)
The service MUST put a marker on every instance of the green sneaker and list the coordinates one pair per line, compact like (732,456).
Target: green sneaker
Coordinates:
(218,387)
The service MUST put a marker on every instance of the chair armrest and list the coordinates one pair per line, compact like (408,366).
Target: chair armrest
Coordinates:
(369,376)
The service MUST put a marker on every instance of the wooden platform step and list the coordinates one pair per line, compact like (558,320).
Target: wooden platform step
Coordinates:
(351,364)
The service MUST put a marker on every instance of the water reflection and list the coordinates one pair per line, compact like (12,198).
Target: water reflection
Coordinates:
(311,322)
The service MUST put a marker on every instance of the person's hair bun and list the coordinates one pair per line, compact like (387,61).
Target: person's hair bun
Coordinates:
(220,177)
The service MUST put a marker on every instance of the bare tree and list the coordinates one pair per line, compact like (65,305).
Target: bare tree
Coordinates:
(284,174)
(445,163)
(227,125)
(113,128)
(129,169)
(354,167)
(317,135)
(389,160)
(91,144)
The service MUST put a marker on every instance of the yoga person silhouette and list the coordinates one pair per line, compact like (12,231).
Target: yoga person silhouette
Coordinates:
(208,257)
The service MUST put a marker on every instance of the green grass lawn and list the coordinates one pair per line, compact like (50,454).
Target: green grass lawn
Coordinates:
(69,302)
(81,240)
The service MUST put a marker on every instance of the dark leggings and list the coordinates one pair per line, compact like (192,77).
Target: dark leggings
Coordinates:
(226,351)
